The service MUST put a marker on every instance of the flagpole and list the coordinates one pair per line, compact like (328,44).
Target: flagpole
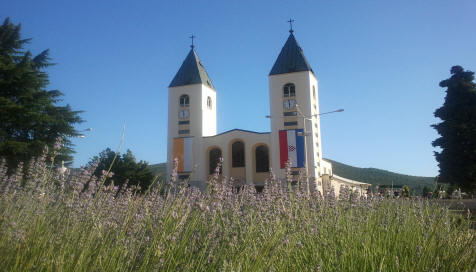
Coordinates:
(305,130)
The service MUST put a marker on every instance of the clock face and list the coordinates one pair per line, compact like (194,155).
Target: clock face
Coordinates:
(289,104)
(183,114)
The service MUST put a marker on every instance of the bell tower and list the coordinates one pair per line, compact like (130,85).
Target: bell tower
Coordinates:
(191,116)
(294,108)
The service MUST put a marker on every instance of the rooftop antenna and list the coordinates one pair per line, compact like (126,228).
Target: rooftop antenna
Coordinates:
(291,21)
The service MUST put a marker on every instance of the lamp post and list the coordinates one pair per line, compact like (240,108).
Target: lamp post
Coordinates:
(305,133)
(308,133)
(309,117)
(84,130)
(64,170)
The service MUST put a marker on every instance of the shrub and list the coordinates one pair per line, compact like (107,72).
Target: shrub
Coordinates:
(51,223)
(122,170)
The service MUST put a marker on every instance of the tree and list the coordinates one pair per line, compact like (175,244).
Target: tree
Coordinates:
(457,158)
(405,191)
(29,116)
(426,191)
(124,169)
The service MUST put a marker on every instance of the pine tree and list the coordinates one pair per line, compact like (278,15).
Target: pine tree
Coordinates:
(29,116)
(457,158)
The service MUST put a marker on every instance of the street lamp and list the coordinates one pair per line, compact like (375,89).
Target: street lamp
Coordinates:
(307,117)
(82,135)
(63,170)
(307,133)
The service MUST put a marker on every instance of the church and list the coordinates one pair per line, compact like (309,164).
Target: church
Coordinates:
(248,156)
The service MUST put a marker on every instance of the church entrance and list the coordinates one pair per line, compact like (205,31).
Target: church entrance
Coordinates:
(261,164)
(214,156)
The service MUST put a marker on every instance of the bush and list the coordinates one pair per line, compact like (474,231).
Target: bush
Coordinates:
(59,226)
(405,191)
(122,170)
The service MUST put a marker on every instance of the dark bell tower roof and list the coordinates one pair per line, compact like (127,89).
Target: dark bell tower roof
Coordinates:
(291,59)
(192,71)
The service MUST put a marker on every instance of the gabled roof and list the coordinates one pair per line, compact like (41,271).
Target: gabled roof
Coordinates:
(238,130)
(291,59)
(192,71)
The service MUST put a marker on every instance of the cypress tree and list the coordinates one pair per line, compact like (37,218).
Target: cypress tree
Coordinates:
(457,158)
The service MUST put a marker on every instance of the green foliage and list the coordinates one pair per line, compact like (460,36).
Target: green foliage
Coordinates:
(29,116)
(427,192)
(451,188)
(55,226)
(457,158)
(158,169)
(406,191)
(381,177)
(440,190)
(123,169)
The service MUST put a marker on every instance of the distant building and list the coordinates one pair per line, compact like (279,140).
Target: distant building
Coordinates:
(248,156)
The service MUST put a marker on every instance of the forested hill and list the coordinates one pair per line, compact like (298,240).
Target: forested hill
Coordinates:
(159,168)
(376,176)
(369,175)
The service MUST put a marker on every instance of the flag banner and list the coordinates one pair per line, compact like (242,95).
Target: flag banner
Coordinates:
(291,147)
(183,151)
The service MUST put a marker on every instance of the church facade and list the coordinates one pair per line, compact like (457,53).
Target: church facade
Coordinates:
(248,156)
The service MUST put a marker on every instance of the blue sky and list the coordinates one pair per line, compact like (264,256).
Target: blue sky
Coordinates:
(379,60)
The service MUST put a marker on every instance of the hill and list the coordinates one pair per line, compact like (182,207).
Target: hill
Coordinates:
(373,176)
(159,168)
(376,176)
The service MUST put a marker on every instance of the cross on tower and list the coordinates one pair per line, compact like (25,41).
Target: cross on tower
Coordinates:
(192,37)
(291,21)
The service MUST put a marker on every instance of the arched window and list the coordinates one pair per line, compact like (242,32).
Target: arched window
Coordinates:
(184,101)
(214,157)
(238,154)
(262,159)
(209,102)
(289,90)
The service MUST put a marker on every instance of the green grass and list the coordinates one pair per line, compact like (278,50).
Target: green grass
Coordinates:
(53,224)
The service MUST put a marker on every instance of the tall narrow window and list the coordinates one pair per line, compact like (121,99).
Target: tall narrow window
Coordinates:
(209,102)
(213,158)
(289,90)
(184,100)
(238,154)
(262,159)
(314,92)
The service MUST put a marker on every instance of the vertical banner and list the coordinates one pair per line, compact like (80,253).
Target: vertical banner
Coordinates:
(183,151)
(283,148)
(291,147)
(300,151)
(188,154)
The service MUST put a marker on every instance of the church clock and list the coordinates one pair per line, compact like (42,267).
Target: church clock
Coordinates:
(289,104)
(183,114)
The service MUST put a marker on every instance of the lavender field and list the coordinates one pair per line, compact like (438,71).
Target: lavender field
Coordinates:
(53,222)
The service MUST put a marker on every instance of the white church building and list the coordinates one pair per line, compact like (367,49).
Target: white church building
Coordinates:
(295,134)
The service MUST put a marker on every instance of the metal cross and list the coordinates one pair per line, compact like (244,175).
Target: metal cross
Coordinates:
(192,37)
(291,21)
